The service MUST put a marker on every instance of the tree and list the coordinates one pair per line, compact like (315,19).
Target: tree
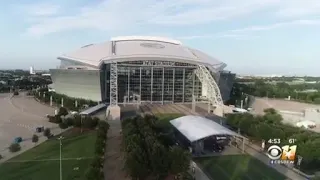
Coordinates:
(47,132)
(159,159)
(35,138)
(147,154)
(14,147)
(180,160)
(63,111)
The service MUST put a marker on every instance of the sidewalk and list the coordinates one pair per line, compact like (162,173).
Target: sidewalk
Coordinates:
(199,174)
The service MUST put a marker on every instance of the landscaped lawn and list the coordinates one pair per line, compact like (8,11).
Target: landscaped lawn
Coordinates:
(42,162)
(237,167)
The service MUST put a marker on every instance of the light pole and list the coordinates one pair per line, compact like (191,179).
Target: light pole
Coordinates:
(81,122)
(299,161)
(60,140)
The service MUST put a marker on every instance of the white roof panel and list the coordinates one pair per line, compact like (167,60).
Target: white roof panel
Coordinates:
(140,47)
(137,48)
(146,38)
(195,128)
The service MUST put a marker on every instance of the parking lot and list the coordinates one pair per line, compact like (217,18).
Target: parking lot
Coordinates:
(282,105)
(19,116)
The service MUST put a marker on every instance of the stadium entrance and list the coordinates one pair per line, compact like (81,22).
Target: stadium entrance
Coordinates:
(152,81)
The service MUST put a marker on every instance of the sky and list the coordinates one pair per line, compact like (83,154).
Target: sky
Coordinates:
(252,36)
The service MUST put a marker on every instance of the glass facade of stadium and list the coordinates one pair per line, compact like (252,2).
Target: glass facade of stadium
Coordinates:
(157,82)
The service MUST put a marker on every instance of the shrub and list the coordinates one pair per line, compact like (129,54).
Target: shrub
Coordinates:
(63,125)
(92,173)
(47,132)
(90,122)
(14,147)
(86,122)
(68,121)
(55,119)
(101,134)
(35,138)
(77,121)
(103,126)
(51,118)
(97,162)
(99,147)
(95,121)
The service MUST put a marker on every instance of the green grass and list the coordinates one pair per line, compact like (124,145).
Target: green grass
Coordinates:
(74,145)
(237,167)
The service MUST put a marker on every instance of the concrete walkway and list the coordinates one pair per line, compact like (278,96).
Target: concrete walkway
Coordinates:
(113,164)
(199,174)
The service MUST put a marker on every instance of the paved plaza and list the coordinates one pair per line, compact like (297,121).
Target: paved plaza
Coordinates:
(19,116)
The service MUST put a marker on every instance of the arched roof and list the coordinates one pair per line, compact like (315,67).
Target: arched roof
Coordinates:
(139,48)
(196,128)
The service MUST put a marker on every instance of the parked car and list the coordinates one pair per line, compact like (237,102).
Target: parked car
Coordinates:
(18,140)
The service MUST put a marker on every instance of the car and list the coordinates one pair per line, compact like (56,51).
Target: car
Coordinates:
(18,140)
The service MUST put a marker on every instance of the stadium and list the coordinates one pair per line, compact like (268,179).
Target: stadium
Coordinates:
(140,69)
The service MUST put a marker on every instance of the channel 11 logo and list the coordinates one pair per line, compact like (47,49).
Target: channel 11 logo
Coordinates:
(282,155)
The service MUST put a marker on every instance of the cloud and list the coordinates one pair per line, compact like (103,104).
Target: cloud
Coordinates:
(115,15)
(220,35)
(298,8)
(41,9)
(246,33)
(277,25)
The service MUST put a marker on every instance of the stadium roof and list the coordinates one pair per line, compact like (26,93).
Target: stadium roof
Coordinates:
(140,48)
(195,128)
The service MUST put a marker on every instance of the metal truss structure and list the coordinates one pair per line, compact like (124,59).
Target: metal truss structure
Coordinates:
(212,90)
(113,84)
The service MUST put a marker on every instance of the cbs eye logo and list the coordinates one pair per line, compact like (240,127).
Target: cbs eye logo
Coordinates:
(285,153)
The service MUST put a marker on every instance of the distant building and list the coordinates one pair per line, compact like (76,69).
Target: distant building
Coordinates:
(31,71)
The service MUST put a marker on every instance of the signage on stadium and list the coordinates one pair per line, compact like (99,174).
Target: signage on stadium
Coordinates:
(158,63)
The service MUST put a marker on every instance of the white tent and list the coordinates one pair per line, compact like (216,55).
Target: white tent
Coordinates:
(195,128)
